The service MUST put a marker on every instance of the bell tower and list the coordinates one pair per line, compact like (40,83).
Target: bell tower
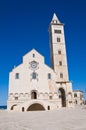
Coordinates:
(58,49)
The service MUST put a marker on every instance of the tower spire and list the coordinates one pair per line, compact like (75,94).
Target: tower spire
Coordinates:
(55,19)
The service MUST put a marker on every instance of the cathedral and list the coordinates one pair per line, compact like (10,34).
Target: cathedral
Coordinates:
(35,86)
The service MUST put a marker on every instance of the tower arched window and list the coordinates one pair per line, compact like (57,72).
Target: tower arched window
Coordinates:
(61,75)
(60,63)
(59,52)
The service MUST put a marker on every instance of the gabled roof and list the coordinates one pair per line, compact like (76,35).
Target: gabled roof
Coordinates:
(33,51)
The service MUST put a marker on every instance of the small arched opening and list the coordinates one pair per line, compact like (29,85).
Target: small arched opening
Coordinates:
(62,96)
(22,109)
(12,108)
(48,107)
(36,107)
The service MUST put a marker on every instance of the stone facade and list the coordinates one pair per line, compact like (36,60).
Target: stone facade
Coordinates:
(35,86)
(78,97)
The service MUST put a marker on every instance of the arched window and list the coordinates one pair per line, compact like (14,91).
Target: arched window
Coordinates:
(49,76)
(34,75)
(33,95)
(33,55)
(17,76)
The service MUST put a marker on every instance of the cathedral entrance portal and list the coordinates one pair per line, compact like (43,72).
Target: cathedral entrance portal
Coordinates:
(63,97)
(36,107)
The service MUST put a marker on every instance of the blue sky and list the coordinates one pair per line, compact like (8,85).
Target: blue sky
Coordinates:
(24,25)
